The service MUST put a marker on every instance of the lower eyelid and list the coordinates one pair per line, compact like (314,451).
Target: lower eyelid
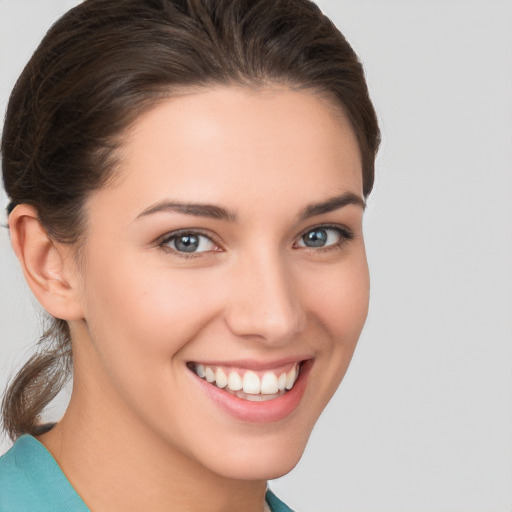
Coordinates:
(344,234)
(166,241)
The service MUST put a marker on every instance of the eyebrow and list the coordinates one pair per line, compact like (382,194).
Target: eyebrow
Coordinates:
(331,204)
(217,212)
(197,209)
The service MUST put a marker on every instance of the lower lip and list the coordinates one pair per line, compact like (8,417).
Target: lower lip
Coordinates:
(259,412)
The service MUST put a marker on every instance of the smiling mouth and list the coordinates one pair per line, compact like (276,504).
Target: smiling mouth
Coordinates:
(254,386)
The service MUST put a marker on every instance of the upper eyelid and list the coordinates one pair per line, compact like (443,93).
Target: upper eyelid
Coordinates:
(164,242)
(346,235)
(186,231)
(339,227)
(215,239)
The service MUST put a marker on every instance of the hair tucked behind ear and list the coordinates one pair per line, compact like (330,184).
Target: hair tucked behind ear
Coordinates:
(104,63)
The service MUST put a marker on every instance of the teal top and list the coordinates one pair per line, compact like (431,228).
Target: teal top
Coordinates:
(31,479)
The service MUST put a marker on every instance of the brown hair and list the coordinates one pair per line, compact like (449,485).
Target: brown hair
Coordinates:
(100,66)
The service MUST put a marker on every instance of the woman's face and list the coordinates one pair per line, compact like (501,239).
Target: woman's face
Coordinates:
(228,254)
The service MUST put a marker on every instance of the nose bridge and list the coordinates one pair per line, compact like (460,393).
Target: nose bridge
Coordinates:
(266,304)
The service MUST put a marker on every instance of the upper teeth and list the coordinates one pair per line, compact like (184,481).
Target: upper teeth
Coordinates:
(267,383)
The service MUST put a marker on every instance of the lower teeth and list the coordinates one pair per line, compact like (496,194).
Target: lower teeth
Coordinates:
(260,397)
(255,398)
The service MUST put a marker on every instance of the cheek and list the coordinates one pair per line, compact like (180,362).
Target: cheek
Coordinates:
(145,313)
(340,300)
(140,320)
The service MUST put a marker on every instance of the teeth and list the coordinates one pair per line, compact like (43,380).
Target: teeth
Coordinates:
(235,381)
(290,378)
(269,384)
(200,370)
(281,383)
(221,378)
(250,386)
(251,383)
(260,397)
(210,376)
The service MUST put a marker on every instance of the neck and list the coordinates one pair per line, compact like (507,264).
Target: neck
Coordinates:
(117,464)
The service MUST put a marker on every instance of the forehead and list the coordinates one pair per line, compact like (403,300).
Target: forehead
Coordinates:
(237,145)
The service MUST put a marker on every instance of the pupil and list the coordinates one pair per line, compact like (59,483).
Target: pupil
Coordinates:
(315,238)
(187,243)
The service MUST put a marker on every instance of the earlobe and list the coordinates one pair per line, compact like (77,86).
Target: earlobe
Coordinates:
(48,266)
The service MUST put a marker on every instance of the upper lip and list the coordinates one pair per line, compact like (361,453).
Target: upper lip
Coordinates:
(253,364)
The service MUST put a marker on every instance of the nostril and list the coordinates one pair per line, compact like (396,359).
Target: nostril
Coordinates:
(276,326)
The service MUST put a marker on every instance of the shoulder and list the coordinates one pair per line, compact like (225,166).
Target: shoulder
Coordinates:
(276,505)
(15,475)
(31,479)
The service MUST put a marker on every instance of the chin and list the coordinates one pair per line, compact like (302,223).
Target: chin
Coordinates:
(260,459)
(267,467)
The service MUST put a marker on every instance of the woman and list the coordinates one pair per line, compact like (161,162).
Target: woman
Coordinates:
(187,185)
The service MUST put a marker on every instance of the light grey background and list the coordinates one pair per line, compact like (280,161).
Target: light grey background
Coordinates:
(423,420)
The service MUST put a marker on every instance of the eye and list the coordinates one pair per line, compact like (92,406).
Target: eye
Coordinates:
(324,236)
(188,242)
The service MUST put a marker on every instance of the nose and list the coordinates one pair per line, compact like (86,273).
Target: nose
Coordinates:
(264,301)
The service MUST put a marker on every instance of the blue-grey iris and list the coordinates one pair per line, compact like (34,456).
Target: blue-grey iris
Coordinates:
(186,243)
(316,238)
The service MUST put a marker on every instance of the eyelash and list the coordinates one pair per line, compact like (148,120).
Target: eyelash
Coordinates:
(167,239)
(344,233)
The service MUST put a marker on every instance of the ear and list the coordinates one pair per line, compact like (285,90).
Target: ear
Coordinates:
(49,267)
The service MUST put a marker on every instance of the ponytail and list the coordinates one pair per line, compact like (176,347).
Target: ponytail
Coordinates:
(105,62)
(38,383)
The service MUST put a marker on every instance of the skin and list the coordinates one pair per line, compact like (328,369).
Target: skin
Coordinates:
(139,434)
